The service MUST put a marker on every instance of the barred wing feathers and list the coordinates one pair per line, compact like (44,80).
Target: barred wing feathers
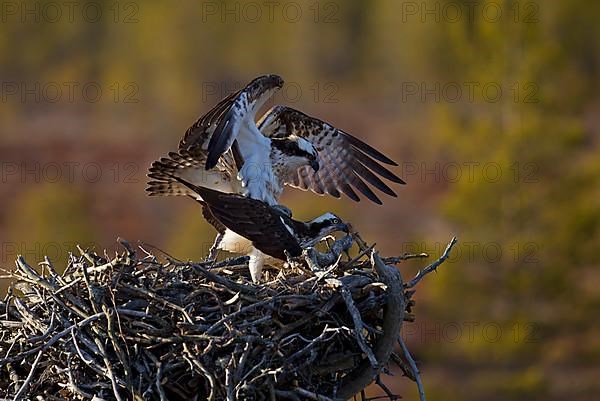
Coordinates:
(189,161)
(345,161)
(238,120)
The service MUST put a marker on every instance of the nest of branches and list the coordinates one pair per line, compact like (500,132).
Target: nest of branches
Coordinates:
(136,326)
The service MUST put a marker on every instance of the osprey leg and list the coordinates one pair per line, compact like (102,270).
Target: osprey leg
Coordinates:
(256,263)
(214,249)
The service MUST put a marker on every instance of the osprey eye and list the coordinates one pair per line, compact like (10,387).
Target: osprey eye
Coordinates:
(336,221)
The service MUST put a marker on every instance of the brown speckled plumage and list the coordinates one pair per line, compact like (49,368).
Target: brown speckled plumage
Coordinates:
(345,161)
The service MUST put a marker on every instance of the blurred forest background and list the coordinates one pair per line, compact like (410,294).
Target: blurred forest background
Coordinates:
(491,109)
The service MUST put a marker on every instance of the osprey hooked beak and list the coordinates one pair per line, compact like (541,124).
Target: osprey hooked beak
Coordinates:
(314,164)
(343,227)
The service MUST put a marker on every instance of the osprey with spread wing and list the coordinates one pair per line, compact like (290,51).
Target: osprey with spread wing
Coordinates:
(228,151)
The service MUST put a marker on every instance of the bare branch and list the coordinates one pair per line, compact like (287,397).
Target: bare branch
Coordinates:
(432,267)
(414,368)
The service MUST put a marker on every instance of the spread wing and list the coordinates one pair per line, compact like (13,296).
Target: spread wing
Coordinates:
(189,161)
(345,161)
(250,218)
(238,119)
(197,136)
(190,166)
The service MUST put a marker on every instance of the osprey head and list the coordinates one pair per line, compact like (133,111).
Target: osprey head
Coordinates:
(297,151)
(325,225)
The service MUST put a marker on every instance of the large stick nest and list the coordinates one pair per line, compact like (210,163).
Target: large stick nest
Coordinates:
(146,328)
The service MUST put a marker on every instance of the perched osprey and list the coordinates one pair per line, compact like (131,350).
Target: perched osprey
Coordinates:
(256,228)
(227,151)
